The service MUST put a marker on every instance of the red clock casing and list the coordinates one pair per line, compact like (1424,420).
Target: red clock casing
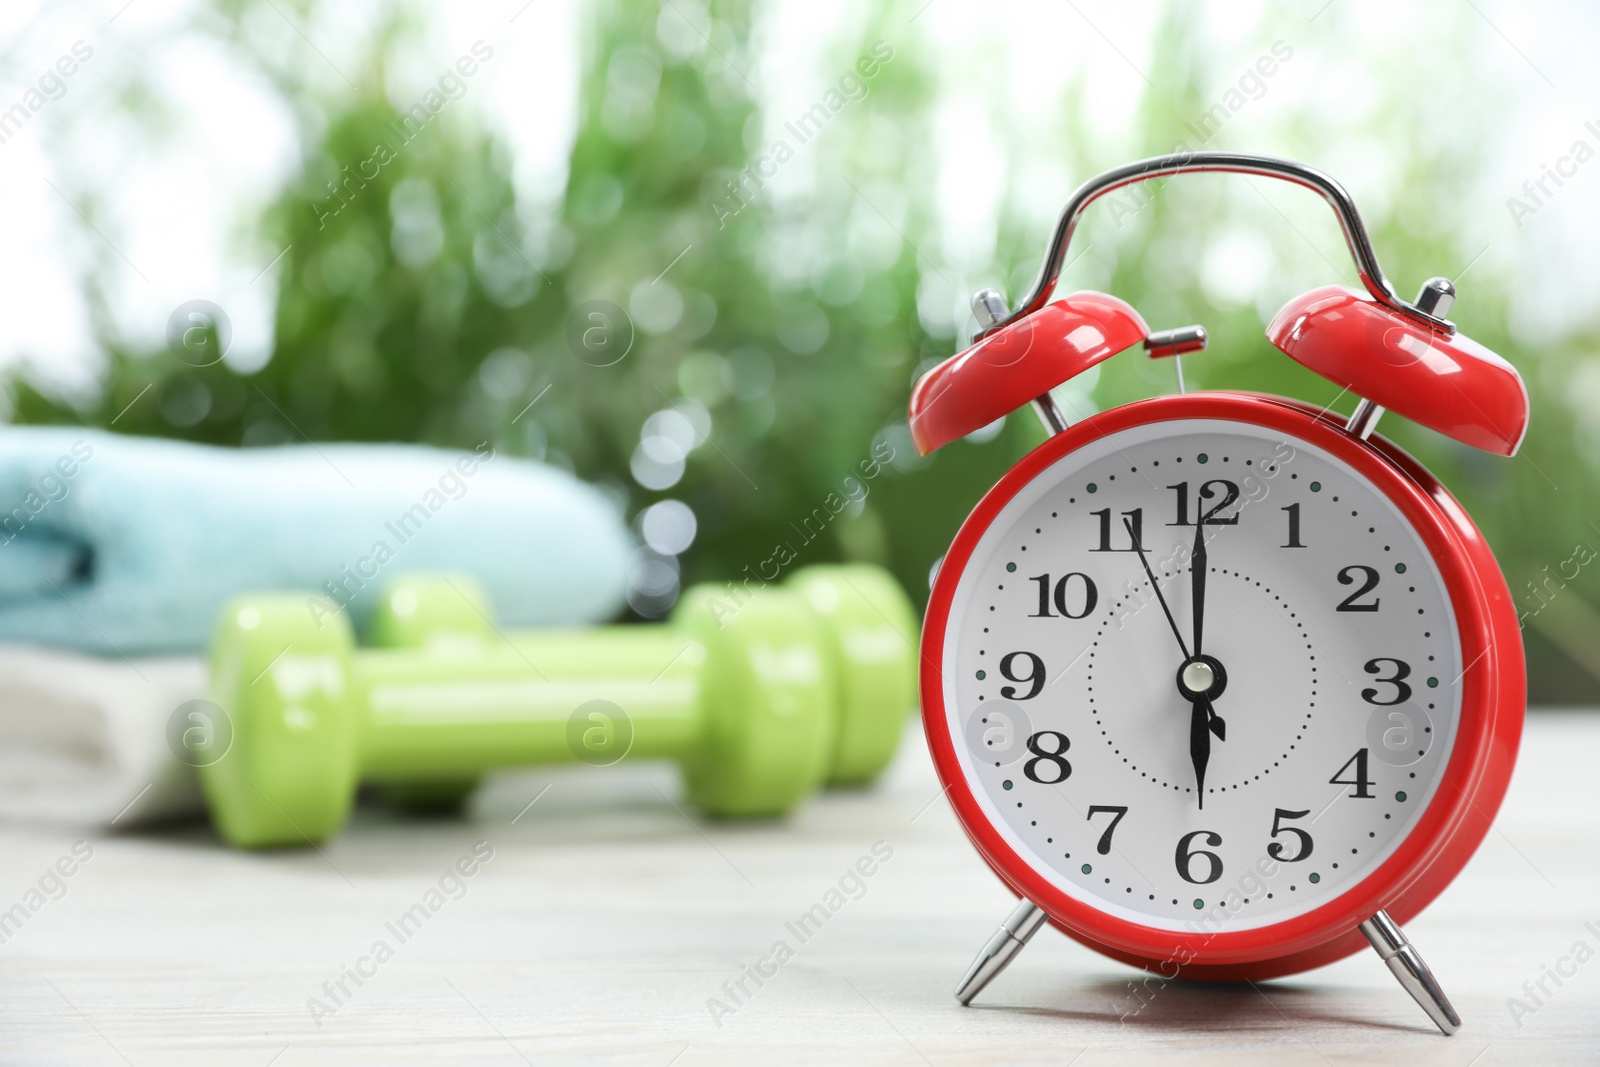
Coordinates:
(1472,784)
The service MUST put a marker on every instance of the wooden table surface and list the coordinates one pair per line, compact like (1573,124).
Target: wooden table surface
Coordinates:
(604,919)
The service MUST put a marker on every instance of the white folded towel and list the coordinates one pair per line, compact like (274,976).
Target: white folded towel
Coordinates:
(83,739)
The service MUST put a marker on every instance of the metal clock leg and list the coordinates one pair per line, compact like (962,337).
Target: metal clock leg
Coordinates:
(1406,963)
(1016,931)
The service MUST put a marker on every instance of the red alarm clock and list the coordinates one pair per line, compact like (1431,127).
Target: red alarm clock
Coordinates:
(1220,684)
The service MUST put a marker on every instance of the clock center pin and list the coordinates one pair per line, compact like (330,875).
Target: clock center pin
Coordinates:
(1202,676)
(1197,677)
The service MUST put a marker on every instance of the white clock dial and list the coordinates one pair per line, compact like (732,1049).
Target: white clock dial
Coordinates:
(1318,710)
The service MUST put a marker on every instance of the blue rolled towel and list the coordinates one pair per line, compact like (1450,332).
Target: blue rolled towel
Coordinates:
(128,545)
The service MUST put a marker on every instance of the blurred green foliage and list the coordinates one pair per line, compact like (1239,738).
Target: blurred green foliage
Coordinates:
(436,306)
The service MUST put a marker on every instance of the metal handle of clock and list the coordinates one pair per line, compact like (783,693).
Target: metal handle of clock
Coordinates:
(1355,232)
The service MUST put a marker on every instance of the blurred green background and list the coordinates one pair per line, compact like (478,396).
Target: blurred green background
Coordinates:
(776,310)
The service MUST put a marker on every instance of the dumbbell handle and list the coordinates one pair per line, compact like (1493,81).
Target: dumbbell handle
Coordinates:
(511,702)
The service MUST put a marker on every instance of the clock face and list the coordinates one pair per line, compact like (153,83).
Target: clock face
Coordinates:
(1212,740)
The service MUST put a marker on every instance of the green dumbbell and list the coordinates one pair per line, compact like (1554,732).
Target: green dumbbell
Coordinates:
(761,696)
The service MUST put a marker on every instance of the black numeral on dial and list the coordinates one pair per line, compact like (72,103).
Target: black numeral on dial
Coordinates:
(1091,596)
(1275,849)
(1055,757)
(1362,783)
(1184,857)
(1402,691)
(1369,581)
(1034,677)
(1116,812)
(1136,516)
(1208,517)
(1294,526)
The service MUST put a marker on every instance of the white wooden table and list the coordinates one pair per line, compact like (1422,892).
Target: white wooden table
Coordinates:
(606,919)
